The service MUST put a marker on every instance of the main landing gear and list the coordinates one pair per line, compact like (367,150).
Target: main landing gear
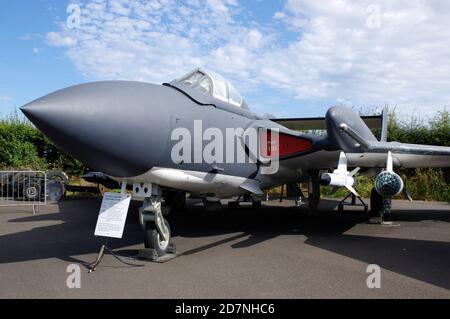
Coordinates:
(379,207)
(246,198)
(314,191)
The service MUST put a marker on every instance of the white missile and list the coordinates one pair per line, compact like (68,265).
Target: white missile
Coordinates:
(341,177)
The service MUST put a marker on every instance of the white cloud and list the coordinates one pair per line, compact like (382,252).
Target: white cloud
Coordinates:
(333,56)
(221,5)
(404,63)
(36,50)
(159,40)
(59,40)
(279,15)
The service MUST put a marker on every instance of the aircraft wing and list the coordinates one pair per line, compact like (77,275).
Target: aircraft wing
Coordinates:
(404,155)
(318,123)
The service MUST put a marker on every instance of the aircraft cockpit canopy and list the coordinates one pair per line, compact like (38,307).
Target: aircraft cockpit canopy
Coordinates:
(208,82)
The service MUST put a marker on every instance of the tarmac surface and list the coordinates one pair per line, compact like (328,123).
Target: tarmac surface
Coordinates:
(275,252)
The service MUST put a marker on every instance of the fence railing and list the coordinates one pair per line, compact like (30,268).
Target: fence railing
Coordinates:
(23,188)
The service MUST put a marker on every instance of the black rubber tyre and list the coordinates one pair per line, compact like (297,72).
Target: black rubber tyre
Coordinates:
(233,205)
(313,202)
(177,200)
(376,203)
(32,191)
(152,239)
(256,205)
(55,191)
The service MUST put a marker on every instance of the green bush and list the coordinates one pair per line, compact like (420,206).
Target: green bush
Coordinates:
(22,146)
(427,184)
(414,131)
(17,145)
(424,183)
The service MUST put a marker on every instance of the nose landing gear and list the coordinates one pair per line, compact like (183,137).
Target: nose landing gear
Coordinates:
(156,228)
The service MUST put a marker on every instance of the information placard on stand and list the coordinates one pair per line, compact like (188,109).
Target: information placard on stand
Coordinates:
(113,214)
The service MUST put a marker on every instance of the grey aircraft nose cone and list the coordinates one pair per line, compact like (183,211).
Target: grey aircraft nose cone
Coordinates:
(110,126)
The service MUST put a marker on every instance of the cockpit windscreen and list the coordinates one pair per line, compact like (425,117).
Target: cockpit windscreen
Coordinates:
(214,84)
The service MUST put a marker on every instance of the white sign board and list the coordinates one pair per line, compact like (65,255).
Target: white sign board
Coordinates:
(113,214)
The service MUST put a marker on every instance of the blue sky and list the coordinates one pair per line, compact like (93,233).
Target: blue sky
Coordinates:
(26,75)
(289,58)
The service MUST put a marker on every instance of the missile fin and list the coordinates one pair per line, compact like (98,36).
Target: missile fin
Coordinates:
(352,190)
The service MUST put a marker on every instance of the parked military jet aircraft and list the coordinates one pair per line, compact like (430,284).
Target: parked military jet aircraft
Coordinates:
(133,132)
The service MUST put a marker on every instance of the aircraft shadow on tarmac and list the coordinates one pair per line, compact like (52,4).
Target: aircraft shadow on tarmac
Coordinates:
(426,261)
(73,235)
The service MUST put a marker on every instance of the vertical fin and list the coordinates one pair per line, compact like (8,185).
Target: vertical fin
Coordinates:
(342,165)
(384,125)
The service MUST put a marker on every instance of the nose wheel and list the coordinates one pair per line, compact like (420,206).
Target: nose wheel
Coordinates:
(156,228)
(153,239)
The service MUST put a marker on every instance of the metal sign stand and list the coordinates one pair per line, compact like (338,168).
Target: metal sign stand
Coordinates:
(101,254)
(99,258)
(93,266)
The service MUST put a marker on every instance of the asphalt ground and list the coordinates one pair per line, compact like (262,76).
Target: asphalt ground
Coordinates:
(276,252)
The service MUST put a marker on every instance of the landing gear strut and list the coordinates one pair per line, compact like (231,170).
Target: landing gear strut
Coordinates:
(379,207)
(156,228)
(314,191)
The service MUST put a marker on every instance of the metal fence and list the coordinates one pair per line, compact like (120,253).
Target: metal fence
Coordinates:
(23,188)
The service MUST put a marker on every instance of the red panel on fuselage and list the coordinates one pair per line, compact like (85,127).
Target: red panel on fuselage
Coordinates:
(287,144)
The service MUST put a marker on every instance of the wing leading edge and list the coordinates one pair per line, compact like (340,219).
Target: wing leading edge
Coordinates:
(404,155)
(319,123)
